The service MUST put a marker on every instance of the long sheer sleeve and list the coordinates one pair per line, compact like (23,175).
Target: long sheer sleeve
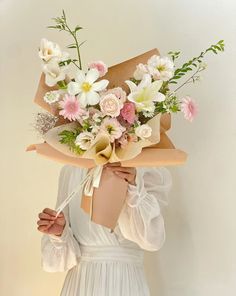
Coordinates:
(60,253)
(141,219)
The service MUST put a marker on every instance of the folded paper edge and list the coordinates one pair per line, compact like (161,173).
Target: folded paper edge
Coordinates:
(158,157)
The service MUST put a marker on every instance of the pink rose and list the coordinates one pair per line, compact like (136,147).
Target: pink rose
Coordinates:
(110,105)
(128,112)
(100,66)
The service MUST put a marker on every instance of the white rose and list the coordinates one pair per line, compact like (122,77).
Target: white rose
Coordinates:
(143,131)
(84,140)
(53,73)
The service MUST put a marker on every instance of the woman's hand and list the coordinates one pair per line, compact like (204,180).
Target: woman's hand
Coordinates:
(49,223)
(126,173)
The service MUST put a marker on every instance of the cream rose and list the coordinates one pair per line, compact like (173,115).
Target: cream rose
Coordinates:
(143,131)
(110,105)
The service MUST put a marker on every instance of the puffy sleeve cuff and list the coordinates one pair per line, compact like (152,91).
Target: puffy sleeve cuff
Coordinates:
(60,253)
(141,218)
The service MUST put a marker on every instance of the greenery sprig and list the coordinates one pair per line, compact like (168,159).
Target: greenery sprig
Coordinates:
(68,138)
(196,63)
(62,25)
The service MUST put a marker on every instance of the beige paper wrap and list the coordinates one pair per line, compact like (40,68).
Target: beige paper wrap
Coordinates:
(158,150)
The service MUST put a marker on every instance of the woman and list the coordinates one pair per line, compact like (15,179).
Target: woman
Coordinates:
(100,262)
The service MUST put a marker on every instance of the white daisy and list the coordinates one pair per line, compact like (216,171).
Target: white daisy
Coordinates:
(86,88)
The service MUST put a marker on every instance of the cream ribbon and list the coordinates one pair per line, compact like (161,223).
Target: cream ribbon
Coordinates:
(90,181)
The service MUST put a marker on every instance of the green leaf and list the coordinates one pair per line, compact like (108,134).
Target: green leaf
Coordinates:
(77,28)
(82,43)
(71,46)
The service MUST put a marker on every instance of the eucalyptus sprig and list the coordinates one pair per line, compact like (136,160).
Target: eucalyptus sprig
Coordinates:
(194,63)
(62,25)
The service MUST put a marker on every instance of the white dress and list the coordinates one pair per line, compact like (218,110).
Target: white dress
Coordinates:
(99,262)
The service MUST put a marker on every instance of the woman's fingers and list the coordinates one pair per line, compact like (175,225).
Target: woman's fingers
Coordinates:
(52,212)
(44,222)
(112,164)
(43,228)
(46,216)
(122,169)
(122,175)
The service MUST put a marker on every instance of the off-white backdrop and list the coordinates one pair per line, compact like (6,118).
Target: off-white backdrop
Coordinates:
(198,258)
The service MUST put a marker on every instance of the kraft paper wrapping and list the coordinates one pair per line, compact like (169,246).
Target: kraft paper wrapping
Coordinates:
(109,198)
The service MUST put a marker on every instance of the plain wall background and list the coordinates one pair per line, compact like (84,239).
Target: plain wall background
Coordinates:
(198,258)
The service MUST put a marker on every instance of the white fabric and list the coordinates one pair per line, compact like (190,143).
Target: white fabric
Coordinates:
(100,262)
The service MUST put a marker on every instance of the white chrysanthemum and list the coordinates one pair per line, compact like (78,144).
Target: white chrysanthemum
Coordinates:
(145,94)
(84,140)
(161,68)
(86,87)
(143,131)
(49,51)
(51,96)
(53,73)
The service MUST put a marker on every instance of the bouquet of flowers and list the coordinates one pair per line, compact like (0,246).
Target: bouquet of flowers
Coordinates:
(93,118)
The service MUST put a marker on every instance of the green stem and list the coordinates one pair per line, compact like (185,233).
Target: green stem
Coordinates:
(77,44)
(187,81)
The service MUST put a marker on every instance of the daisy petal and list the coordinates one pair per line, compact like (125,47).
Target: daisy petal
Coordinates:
(82,97)
(73,88)
(93,98)
(100,85)
(92,76)
(79,76)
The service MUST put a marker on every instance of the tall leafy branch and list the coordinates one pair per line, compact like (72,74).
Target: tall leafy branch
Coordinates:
(195,63)
(61,24)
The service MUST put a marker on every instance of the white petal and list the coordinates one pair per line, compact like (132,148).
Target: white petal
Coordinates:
(93,98)
(50,81)
(132,86)
(146,81)
(80,76)
(82,97)
(73,88)
(156,85)
(100,85)
(92,76)
(159,97)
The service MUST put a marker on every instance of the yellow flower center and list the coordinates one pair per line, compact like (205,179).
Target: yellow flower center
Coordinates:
(161,68)
(110,128)
(86,86)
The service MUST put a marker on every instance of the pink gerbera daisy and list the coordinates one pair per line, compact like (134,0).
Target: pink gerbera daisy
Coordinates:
(189,108)
(70,108)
